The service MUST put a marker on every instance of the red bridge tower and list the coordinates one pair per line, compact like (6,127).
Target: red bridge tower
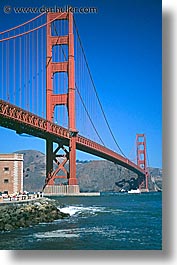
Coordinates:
(67,100)
(142,157)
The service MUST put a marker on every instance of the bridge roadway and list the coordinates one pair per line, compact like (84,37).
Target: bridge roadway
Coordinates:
(22,121)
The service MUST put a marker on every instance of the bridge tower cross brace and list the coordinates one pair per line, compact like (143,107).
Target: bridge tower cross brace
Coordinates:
(67,100)
(142,155)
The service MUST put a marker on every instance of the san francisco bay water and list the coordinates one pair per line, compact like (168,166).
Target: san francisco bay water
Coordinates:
(112,221)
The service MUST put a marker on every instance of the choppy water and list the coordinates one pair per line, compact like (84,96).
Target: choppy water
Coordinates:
(111,221)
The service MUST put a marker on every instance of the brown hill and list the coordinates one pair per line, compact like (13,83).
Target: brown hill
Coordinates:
(97,175)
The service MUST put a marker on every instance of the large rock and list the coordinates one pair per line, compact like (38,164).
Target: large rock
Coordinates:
(23,215)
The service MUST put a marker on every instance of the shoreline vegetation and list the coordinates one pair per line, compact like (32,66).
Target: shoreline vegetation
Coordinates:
(17,215)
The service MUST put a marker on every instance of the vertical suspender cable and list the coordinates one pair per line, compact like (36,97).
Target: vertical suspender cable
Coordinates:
(7,56)
(37,70)
(20,94)
(14,94)
(26,72)
(33,64)
(2,70)
(42,86)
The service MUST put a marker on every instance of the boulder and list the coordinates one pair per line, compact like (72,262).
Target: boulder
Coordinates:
(27,214)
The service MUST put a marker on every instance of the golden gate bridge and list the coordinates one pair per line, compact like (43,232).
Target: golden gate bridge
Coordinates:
(47,91)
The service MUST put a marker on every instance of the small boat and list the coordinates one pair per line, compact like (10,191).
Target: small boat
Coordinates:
(134,191)
(123,191)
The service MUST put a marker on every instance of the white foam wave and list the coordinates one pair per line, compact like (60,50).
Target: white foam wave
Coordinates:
(110,232)
(56,234)
(75,210)
(71,210)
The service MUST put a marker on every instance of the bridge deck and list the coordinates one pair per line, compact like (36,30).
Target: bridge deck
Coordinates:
(22,121)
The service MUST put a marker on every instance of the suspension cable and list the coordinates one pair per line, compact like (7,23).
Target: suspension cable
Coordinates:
(104,115)
(29,31)
(23,24)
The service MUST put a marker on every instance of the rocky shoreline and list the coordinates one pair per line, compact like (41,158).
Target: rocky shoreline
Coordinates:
(16,215)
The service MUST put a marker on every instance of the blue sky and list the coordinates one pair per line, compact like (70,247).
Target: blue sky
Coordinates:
(122,43)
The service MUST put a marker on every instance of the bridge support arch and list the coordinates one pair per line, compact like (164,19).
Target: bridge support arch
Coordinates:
(67,99)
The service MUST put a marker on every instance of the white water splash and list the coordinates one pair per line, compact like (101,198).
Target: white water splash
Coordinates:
(56,234)
(75,210)
(110,232)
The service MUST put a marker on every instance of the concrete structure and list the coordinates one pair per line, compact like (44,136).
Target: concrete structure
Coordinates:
(11,173)
(67,190)
(61,190)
